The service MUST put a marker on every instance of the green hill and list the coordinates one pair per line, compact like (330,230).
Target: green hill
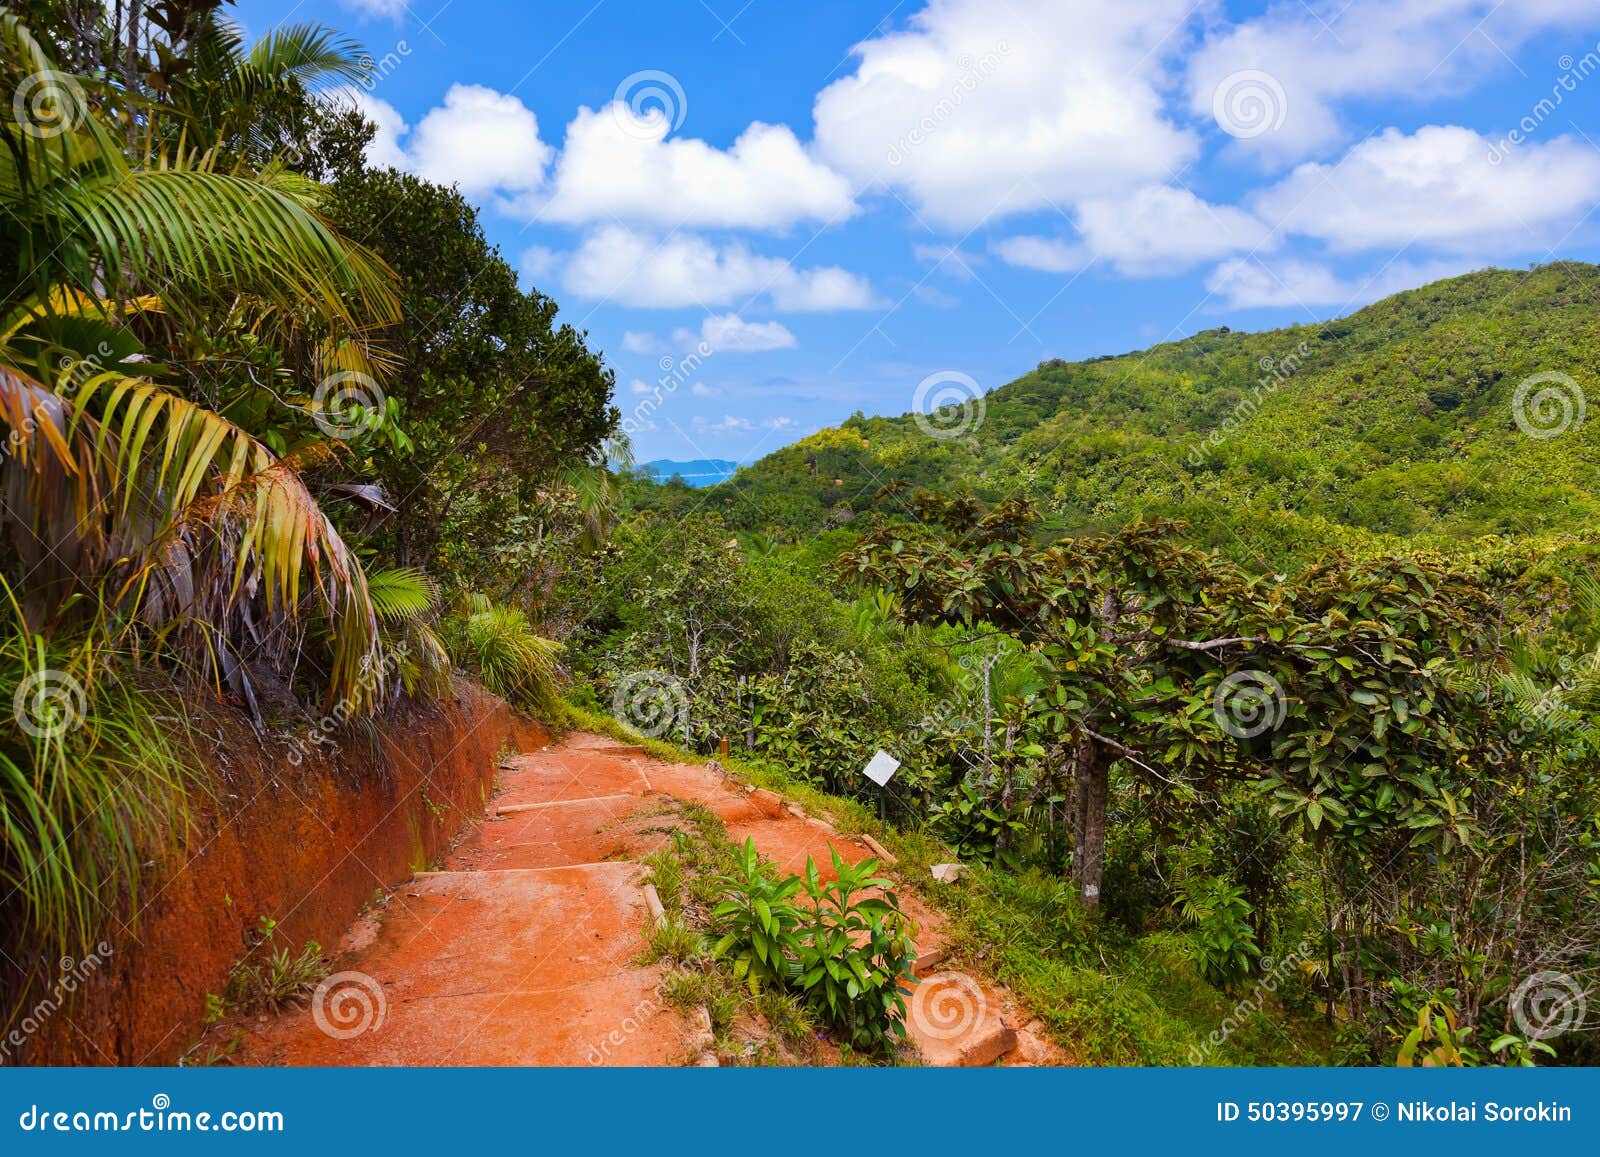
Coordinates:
(1398,420)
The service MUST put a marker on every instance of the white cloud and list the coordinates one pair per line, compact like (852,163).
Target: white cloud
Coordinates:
(539,261)
(633,269)
(730,332)
(733,424)
(393,9)
(384,149)
(979,109)
(727,424)
(1045,254)
(701,390)
(1156,230)
(479,139)
(610,171)
(1163,230)
(1319,52)
(636,342)
(934,296)
(640,388)
(1248,283)
(1438,187)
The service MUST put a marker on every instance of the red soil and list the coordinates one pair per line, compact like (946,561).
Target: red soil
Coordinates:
(519,952)
(305,845)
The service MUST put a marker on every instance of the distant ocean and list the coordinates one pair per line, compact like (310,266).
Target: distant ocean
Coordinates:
(698,473)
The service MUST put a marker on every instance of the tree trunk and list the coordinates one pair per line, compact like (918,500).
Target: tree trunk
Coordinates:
(1089,822)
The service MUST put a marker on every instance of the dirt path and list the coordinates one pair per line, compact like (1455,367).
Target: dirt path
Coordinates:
(520,951)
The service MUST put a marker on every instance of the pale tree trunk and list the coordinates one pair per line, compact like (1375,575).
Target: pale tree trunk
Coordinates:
(1093,784)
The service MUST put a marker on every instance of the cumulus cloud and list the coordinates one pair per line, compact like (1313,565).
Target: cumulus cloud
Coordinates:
(637,342)
(1045,254)
(1319,52)
(733,424)
(638,270)
(384,150)
(1249,283)
(1438,187)
(611,170)
(1156,230)
(730,332)
(479,139)
(977,110)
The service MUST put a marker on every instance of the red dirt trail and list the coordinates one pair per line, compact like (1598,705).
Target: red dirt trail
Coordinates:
(520,951)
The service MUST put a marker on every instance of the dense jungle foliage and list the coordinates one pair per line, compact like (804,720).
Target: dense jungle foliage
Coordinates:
(1253,676)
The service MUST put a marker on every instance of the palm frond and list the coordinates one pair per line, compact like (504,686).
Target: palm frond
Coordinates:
(91,783)
(308,53)
(400,594)
(202,517)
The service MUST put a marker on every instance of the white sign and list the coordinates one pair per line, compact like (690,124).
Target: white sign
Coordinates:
(882,768)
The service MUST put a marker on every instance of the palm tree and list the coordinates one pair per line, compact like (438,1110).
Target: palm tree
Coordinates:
(186,524)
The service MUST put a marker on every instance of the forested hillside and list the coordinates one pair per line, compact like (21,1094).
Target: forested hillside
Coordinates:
(1242,692)
(1395,421)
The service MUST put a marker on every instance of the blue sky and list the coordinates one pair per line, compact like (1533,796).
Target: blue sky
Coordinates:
(822,205)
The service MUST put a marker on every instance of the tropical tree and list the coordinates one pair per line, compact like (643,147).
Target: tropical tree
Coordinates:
(1329,689)
(193,530)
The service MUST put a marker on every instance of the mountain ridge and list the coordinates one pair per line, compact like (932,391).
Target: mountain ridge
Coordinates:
(1399,420)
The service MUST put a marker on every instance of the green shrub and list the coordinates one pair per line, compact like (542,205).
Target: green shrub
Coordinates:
(758,920)
(510,658)
(843,955)
(91,784)
(1223,934)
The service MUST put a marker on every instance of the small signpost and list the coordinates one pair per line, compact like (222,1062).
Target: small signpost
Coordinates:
(880,770)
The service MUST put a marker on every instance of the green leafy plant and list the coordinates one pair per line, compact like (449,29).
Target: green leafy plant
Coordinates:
(758,920)
(853,952)
(270,980)
(501,646)
(92,783)
(1223,933)
(1519,1051)
(843,954)
(975,828)
(1437,1041)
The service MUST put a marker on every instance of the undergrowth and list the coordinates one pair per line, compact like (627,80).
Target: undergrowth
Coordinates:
(1104,995)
